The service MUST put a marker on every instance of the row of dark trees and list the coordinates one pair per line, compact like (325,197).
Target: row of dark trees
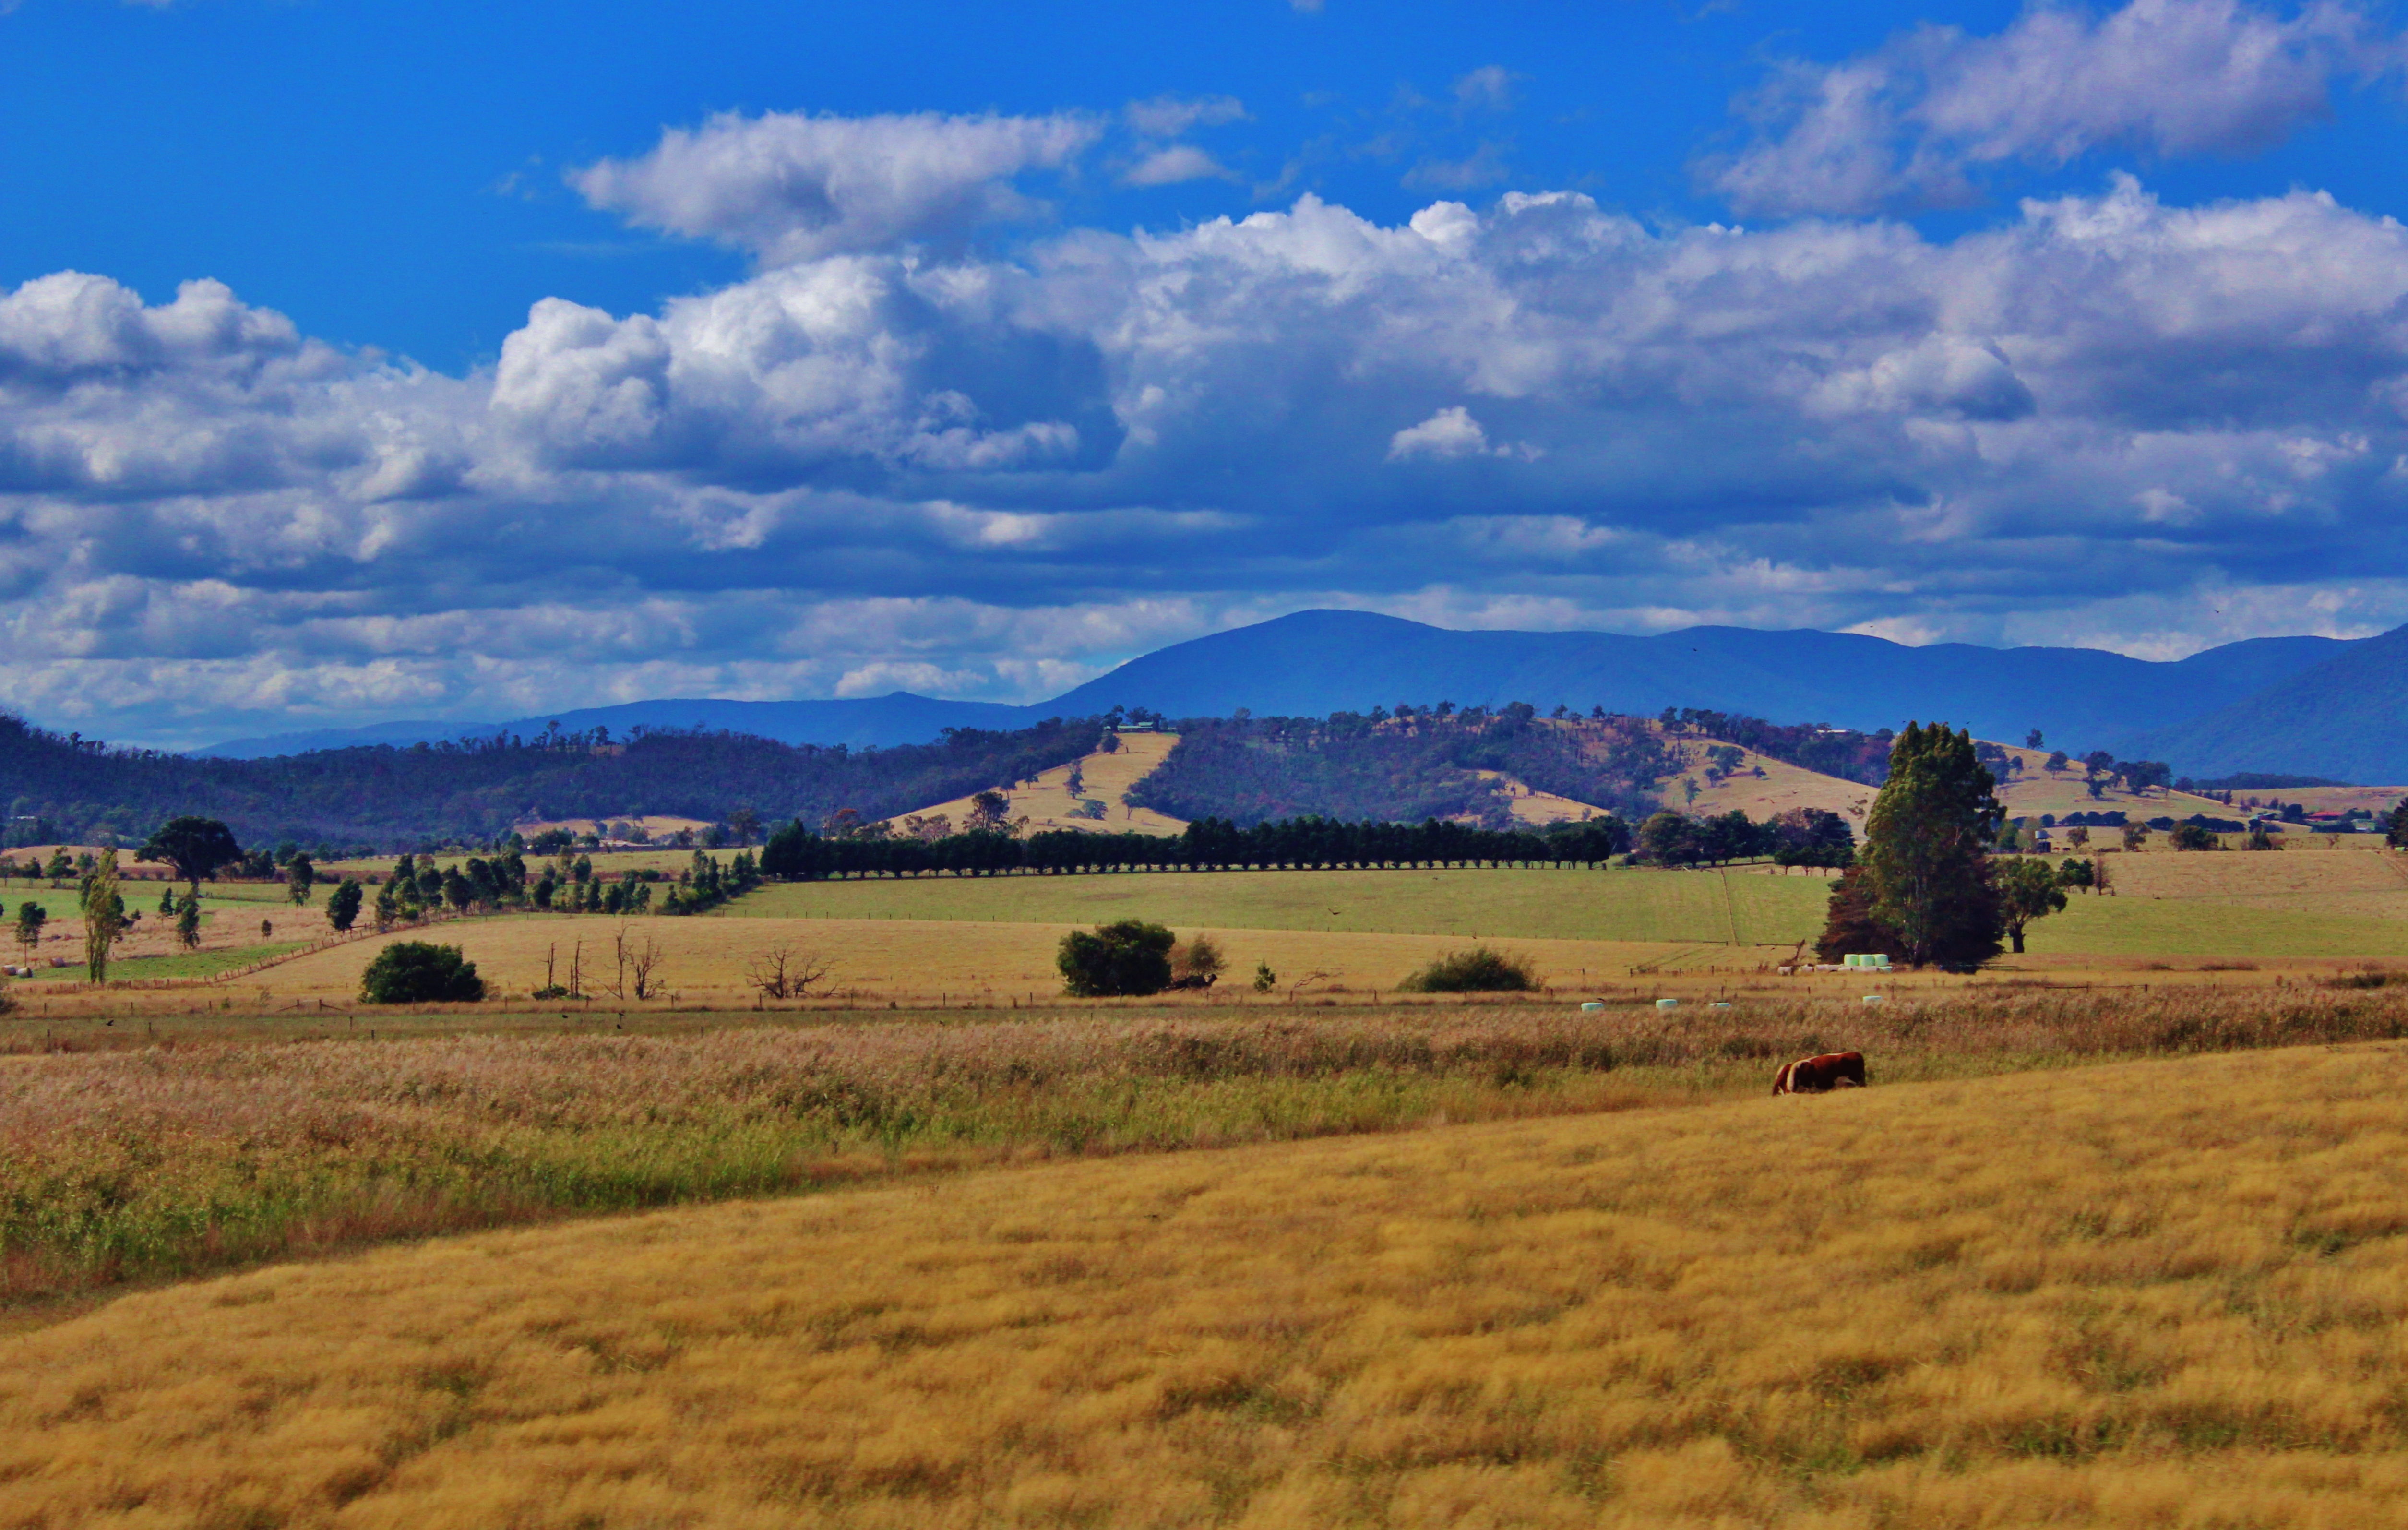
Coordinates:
(1803,837)
(795,853)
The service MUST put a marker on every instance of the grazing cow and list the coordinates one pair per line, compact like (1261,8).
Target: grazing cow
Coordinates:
(1821,1075)
(1206,981)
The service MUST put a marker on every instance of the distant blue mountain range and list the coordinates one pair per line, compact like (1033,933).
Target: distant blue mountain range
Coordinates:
(2316,705)
(901,718)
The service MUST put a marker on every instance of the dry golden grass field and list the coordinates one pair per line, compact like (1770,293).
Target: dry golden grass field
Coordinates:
(2165,1293)
(910,961)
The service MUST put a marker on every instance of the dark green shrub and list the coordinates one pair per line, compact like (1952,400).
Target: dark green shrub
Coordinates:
(1478,970)
(417,972)
(1130,957)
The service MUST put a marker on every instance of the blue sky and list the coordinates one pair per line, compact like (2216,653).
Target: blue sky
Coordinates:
(539,356)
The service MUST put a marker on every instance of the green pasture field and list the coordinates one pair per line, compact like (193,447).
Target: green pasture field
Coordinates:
(2239,905)
(1728,908)
(56,903)
(182,965)
(2128,926)
(203,964)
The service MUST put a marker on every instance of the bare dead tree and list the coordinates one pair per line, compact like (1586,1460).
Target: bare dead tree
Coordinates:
(1307,981)
(616,987)
(781,972)
(640,960)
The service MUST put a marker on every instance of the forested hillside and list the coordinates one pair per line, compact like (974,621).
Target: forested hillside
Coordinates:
(385,797)
(1408,766)
(1418,763)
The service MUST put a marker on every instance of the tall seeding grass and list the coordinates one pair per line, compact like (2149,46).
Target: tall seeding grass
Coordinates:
(2165,1295)
(169,1159)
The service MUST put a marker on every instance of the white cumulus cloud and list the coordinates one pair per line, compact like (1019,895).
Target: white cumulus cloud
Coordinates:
(791,187)
(1918,121)
(1168,167)
(1008,472)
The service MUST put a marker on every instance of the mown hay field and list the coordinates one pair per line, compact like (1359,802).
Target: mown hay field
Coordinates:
(1735,907)
(2326,874)
(2165,1294)
(2304,901)
(2303,904)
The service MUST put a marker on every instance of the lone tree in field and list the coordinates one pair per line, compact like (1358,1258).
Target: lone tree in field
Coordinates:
(1922,876)
(104,917)
(195,846)
(300,876)
(2028,889)
(1130,957)
(343,903)
(2396,835)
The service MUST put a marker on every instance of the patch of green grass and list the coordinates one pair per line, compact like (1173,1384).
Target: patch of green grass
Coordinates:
(2130,927)
(57,902)
(1707,908)
(1568,905)
(199,963)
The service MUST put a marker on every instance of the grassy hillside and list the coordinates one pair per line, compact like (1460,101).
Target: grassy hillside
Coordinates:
(1047,802)
(1759,786)
(2161,1293)
(2036,790)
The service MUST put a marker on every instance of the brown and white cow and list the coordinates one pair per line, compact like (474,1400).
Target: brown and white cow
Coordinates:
(1821,1075)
